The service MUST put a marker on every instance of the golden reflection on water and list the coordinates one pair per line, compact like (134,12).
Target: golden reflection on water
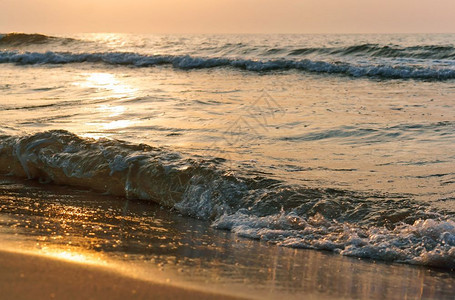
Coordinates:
(111,86)
(108,82)
(13,243)
(73,254)
(112,111)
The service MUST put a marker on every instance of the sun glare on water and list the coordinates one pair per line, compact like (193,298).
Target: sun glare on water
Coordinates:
(107,83)
(73,255)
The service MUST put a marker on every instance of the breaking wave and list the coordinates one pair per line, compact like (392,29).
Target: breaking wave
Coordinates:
(186,62)
(384,227)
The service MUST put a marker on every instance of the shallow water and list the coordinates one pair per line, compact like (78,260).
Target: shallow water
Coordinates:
(341,143)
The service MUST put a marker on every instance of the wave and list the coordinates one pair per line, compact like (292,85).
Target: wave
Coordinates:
(446,52)
(186,62)
(24,39)
(346,222)
(394,51)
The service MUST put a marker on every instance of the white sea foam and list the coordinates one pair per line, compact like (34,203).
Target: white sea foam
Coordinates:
(425,242)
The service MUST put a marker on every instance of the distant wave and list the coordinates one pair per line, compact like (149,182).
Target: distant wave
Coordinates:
(23,39)
(424,51)
(406,131)
(376,50)
(446,52)
(187,62)
(346,222)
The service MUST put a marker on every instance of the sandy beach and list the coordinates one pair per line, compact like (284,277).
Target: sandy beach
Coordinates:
(28,276)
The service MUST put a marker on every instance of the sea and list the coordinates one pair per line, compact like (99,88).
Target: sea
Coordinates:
(287,143)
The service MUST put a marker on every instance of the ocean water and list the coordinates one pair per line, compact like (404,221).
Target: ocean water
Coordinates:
(328,142)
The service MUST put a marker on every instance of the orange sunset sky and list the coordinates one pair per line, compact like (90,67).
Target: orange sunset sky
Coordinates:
(228,16)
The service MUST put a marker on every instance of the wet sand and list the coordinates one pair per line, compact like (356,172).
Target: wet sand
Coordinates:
(28,276)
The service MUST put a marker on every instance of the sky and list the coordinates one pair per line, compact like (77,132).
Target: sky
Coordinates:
(228,16)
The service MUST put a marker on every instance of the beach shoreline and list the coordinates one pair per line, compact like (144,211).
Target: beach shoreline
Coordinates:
(30,276)
(56,240)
